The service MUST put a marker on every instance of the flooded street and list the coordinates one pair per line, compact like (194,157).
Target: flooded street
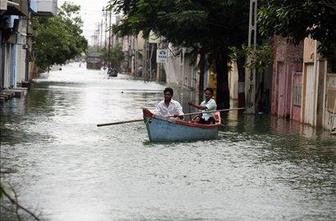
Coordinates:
(67,169)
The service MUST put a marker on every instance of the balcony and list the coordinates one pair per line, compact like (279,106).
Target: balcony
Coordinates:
(3,5)
(44,7)
(14,7)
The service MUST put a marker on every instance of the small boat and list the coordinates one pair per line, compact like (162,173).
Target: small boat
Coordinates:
(162,129)
(112,72)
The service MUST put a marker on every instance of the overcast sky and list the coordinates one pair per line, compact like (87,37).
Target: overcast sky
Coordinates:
(91,13)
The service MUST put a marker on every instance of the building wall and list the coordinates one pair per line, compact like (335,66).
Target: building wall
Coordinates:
(125,44)
(140,42)
(286,68)
(316,86)
(44,7)
(21,64)
(1,61)
(13,66)
(233,81)
(14,43)
(310,83)
(297,96)
(309,50)
(321,72)
(212,80)
(7,65)
(180,71)
(329,121)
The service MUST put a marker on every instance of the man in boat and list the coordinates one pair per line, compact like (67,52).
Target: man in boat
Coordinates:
(209,104)
(168,107)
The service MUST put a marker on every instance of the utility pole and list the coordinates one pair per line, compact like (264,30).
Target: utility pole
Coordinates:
(101,34)
(105,28)
(105,45)
(135,50)
(250,77)
(27,45)
(109,40)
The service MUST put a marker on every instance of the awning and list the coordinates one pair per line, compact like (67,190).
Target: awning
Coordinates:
(17,7)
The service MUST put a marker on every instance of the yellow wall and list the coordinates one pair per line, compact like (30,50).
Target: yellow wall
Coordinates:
(212,80)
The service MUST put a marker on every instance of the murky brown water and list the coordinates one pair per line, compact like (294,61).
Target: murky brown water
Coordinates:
(67,169)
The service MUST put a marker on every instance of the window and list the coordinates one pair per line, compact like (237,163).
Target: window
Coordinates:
(297,95)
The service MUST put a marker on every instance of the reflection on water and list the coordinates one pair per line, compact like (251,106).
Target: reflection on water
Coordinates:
(260,168)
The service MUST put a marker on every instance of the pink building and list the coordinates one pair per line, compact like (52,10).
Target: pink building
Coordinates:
(304,84)
(287,79)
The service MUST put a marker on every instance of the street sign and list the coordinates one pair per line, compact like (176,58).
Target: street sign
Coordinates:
(161,55)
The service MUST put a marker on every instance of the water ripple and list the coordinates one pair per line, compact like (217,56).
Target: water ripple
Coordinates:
(258,168)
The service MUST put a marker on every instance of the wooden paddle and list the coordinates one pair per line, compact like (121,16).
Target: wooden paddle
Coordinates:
(193,113)
(213,111)
(119,122)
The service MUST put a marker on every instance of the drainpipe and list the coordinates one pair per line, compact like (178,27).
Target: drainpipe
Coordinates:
(2,62)
(27,49)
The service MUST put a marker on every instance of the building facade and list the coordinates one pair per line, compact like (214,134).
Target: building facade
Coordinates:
(304,84)
(16,38)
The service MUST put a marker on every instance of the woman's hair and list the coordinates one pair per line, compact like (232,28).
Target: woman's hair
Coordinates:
(209,89)
(168,89)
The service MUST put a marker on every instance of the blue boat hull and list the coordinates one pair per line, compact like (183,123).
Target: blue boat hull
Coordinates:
(170,130)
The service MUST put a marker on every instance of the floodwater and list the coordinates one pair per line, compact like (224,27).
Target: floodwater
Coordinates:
(67,169)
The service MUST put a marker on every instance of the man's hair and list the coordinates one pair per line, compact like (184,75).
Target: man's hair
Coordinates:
(209,89)
(168,89)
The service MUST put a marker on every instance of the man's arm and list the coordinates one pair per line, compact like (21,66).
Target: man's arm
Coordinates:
(178,110)
(197,106)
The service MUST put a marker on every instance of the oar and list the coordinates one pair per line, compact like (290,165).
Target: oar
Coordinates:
(193,113)
(119,122)
(221,110)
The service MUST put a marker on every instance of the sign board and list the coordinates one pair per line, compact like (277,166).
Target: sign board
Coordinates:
(153,38)
(161,55)
(3,4)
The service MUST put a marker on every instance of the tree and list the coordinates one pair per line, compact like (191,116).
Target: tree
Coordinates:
(209,26)
(115,57)
(58,38)
(299,19)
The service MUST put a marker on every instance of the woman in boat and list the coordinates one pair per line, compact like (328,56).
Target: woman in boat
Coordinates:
(209,104)
(168,107)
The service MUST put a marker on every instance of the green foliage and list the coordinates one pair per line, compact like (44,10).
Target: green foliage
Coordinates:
(299,19)
(58,38)
(1,191)
(239,53)
(211,26)
(259,58)
(115,57)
